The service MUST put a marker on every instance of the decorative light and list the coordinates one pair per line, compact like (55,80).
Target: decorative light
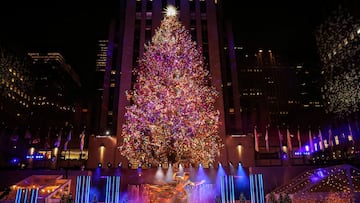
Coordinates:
(339,64)
(170,11)
(172,115)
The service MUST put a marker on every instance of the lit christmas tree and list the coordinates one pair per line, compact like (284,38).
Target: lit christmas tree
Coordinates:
(172,118)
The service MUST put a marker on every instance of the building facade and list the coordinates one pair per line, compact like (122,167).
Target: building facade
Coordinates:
(56,89)
(337,40)
(16,88)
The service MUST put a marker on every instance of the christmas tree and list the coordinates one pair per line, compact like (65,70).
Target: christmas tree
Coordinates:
(172,118)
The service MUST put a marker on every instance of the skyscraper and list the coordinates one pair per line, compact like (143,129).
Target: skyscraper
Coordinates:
(56,86)
(16,88)
(337,40)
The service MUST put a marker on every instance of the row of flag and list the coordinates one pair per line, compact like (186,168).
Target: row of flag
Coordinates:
(57,142)
(312,146)
(68,138)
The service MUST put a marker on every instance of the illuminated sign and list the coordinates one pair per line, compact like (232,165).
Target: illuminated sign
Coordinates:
(35,156)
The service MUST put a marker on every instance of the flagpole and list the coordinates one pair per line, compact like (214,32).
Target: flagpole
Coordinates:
(299,137)
(350,131)
(288,139)
(331,143)
(311,141)
(280,139)
(321,143)
(256,139)
(267,138)
(69,138)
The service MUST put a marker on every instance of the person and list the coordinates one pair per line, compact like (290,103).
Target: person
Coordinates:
(94,199)
(217,199)
(62,200)
(70,199)
(242,198)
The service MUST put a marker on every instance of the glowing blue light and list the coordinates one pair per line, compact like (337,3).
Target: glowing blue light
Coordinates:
(220,173)
(297,153)
(82,189)
(256,188)
(37,156)
(318,175)
(201,175)
(14,160)
(112,189)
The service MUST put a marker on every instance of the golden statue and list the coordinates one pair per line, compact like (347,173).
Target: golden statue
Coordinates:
(172,192)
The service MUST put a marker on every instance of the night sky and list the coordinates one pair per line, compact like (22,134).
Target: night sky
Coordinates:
(58,26)
(285,27)
(73,29)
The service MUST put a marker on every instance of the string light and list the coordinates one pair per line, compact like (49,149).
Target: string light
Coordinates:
(338,43)
(172,118)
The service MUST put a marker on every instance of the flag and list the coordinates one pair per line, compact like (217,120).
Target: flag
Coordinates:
(288,139)
(256,139)
(321,142)
(58,139)
(280,138)
(14,137)
(350,138)
(82,140)
(68,138)
(298,137)
(311,141)
(331,143)
(47,139)
(36,139)
(28,135)
(267,139)
(69,135)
